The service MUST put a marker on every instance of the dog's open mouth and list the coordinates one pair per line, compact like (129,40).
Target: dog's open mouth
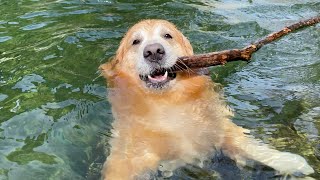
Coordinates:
(158,78)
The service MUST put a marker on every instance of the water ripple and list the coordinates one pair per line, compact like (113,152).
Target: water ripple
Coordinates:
(27,83)
(35,26)
(35,14)
(5,38)
(26,124)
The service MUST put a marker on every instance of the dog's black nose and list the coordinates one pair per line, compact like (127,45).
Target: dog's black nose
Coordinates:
(153,52)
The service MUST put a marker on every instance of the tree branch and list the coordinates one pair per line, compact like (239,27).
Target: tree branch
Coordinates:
(222,57)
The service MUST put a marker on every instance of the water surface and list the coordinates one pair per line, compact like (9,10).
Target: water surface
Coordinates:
(54,117)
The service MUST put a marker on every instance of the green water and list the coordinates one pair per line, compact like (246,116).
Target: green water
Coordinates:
(54,117)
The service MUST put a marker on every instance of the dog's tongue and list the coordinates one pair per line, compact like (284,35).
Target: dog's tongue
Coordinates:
(158,78)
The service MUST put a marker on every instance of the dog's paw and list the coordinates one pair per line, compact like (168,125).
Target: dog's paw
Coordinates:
(288,163)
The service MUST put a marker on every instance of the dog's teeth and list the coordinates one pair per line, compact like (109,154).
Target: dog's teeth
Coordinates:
(160,78)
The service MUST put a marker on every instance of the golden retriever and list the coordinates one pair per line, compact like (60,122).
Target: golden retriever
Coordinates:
(169,119)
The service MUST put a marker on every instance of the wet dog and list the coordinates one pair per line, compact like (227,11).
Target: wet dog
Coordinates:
(172,118)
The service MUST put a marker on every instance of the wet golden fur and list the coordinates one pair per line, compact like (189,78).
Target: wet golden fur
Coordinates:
(182,123)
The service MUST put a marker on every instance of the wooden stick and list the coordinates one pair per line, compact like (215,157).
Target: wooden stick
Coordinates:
(222,57)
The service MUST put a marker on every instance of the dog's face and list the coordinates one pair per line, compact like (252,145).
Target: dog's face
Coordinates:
(148,52)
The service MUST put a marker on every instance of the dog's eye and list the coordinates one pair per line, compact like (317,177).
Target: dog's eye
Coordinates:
(167,36)
(135,42)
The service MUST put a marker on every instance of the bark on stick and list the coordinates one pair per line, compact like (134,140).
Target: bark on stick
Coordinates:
(244,54)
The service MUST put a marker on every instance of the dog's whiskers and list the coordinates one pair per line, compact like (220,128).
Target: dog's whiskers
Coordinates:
(189,70)
(178,67)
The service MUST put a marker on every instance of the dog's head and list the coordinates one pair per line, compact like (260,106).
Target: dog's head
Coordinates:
(146,55)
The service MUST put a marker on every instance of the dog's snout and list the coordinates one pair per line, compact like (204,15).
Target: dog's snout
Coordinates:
(154,52)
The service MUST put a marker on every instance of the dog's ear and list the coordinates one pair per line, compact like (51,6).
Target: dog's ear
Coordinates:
(121,49)
(108,70)
(187,46)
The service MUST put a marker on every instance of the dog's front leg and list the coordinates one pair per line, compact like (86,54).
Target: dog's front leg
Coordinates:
(123,166)
(241,147)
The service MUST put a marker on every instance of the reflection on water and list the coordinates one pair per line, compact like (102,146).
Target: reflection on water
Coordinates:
(54,117)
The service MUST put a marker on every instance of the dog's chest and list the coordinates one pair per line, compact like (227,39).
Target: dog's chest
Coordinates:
(188,124)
